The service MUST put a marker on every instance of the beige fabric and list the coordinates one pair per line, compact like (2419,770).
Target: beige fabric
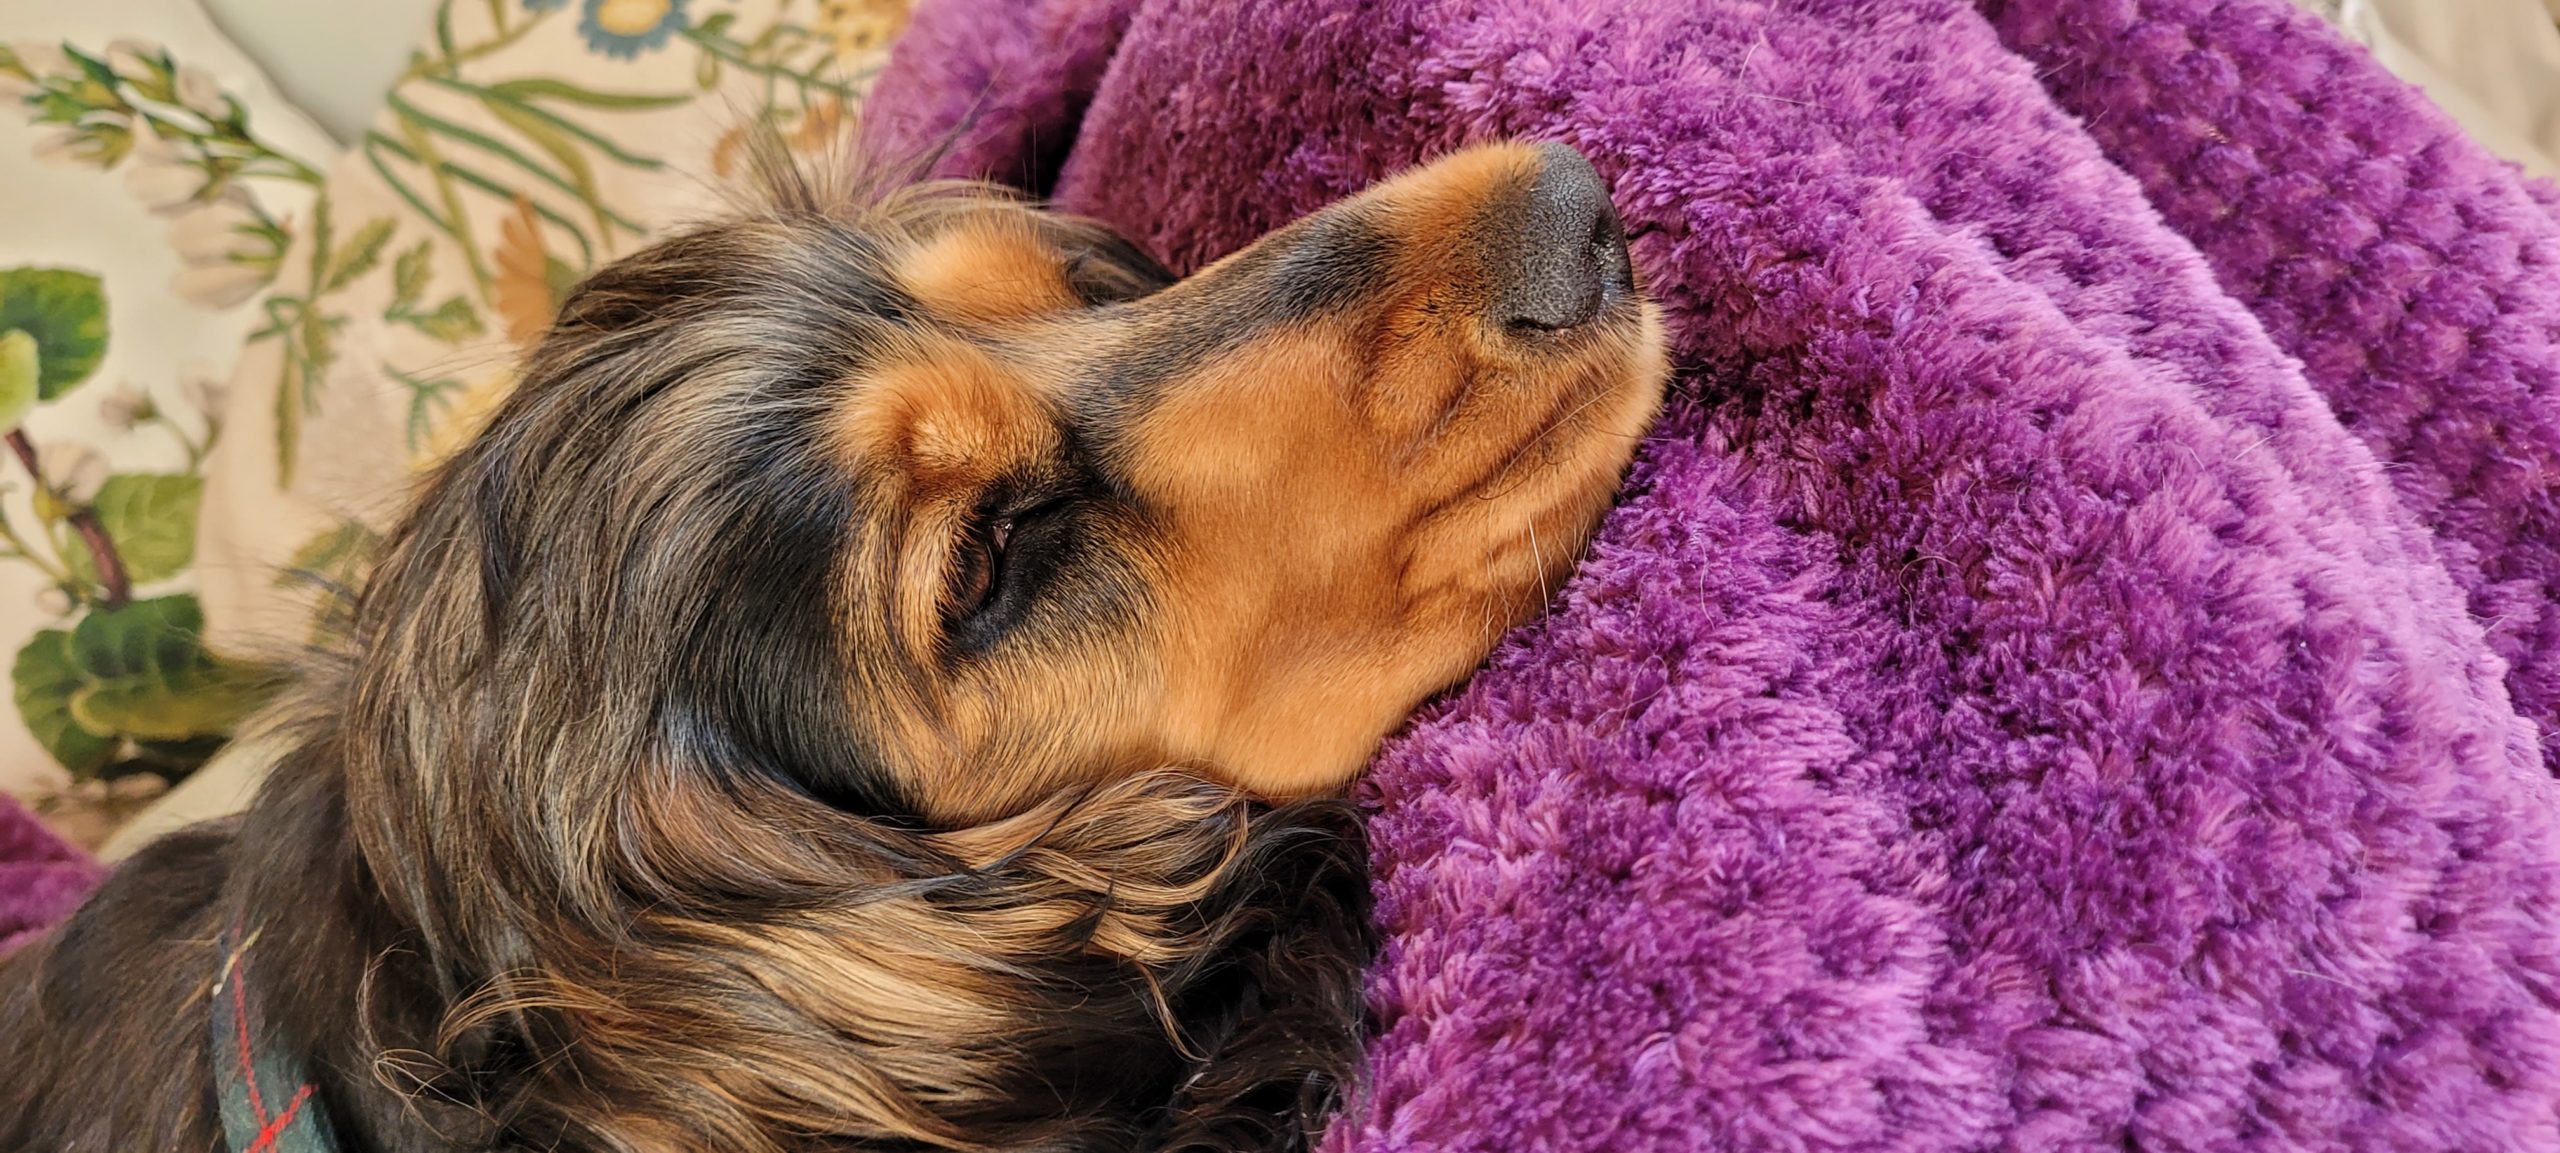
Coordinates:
(2493,65)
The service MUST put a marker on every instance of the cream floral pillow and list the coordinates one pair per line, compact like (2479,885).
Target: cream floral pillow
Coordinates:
(527,142)
(156,179)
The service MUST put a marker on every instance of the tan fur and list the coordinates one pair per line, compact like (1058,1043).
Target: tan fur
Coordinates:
(1352,511)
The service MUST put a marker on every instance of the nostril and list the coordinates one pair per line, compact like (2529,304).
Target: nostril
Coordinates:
(1569,255)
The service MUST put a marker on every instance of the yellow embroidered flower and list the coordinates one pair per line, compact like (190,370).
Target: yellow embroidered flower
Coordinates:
(726,151)
(460,421)
(858,27)
(821,124)
(819,127)
(521,281)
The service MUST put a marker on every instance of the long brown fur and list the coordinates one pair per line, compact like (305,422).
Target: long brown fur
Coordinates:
(674,795)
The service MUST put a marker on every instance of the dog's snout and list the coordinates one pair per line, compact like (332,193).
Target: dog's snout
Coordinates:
(1569,255)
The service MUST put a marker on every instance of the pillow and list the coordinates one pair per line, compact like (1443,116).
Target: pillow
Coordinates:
(167,171)
(381,294)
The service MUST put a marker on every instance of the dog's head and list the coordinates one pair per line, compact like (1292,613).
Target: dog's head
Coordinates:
(848,545)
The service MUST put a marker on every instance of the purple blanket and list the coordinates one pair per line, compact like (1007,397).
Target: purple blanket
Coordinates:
(2071,667)
(41,879)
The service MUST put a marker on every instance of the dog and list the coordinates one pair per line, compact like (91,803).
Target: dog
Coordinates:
(883,680)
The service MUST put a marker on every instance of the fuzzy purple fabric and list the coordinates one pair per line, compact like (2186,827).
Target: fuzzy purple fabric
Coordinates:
(2070,669)
(41,879)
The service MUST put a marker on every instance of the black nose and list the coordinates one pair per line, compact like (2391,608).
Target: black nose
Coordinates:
(1571,256)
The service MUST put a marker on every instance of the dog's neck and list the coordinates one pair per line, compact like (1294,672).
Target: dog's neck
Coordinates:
(342,985)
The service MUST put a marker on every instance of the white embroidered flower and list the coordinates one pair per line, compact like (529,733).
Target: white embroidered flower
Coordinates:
(42,59)
(204,389)
(62,146)
(125,407)
(201,93)
(52,601)
(213,232)
(163,178)
(131,58)
(218,285)
(74,470)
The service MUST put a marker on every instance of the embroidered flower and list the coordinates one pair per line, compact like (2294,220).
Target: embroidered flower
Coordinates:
(38,61)
(203,388)
(132,58)
(822,123)
(201,93)
(161,176)
(856,27)
(623,29)
(100,145)
(60,146)
(461,420)
(219,285)
(126,407)
(76,471)
(545,5)
(522,283)
(218,231)
(227,254)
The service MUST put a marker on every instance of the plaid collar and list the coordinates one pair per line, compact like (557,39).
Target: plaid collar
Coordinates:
(268,1102)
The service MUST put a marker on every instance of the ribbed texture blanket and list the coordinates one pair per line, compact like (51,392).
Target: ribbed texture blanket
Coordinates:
(2072,667)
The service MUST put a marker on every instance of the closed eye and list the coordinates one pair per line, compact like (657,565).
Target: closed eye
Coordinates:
(974,567)
(998,563)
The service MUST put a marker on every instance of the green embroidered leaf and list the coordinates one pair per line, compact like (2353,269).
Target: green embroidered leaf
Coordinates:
(331,564)
(288,430)
(409,276)
(336,554)
(319,348)
(193,701)
(152,520)
(138,638)
(535,87)
(94,66)
(451,322)
(43,681)
(146,675)
(359,254)
(559,278)
(19,372)
(557,145)
(66,312)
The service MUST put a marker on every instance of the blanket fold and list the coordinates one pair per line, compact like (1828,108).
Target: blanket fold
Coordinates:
(2071,666)
(41,878)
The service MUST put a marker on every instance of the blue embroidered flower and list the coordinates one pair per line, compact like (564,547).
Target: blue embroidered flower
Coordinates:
(623,29)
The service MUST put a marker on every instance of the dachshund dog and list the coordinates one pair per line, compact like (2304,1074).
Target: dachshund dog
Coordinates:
(882,681)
